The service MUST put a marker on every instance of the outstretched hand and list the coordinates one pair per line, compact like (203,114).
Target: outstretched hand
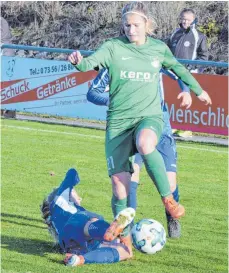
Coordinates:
(186,99)
(75,58)
(204,97)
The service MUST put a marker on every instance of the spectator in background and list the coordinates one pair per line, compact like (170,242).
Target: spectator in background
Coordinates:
(6,38)
(188,43)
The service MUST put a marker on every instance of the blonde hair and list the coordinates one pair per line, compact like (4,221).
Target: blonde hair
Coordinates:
(140,9)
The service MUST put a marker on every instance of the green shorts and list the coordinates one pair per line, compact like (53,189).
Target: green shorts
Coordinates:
(121,141)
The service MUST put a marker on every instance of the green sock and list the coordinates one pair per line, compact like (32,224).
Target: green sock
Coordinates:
(117,206)
(156,169)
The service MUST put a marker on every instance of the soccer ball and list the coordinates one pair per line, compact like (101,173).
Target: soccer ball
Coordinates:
(148,236)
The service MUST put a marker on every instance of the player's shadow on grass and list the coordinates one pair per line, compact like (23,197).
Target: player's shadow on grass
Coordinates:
(27,246)
(5,218)
(20,217)
(22,224)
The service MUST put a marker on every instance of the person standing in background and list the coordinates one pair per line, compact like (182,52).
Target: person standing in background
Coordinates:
(6,38)
(189,43)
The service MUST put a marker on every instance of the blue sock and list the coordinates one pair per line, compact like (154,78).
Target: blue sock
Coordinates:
(103,255)
(176,194)
(176,198)
(97,229)
(132,198)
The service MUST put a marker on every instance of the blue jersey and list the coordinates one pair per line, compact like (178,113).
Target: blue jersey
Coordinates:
(69,219)
(97,93)
(167,128)
(61,207)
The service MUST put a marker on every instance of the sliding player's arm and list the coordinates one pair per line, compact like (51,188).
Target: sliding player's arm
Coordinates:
(185,96)
(97,93)
(171,63)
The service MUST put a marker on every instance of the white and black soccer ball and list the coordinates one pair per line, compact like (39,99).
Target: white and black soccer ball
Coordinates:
(148,236)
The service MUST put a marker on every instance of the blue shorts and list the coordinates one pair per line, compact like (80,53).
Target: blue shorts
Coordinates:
(73,236)
(167,148)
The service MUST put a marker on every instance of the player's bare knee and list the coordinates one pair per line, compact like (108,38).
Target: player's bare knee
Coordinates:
(135,176)
(146,141)
(120,178)
(137,168)
(115,180)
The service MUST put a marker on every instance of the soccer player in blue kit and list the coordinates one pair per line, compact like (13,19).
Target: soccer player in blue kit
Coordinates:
(98,94)
(82,235)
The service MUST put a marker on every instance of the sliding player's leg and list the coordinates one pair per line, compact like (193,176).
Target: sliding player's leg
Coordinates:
(106,253)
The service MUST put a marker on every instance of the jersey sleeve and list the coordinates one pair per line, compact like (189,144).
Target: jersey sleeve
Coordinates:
(183,86)
(170,62)
(101,58)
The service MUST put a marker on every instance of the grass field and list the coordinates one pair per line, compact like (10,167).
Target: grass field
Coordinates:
(31,150)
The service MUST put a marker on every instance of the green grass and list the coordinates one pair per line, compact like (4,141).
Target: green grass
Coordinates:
(28,156)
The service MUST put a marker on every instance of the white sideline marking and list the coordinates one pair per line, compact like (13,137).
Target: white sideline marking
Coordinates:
(202,149)
(100,137)
(52,131)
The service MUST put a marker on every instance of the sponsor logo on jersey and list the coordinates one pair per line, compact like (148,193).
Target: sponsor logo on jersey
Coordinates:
(155,63)
(138,76)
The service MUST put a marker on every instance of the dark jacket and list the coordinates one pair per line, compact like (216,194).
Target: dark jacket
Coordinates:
(188,44)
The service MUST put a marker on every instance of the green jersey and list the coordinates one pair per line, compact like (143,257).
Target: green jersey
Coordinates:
(134,75)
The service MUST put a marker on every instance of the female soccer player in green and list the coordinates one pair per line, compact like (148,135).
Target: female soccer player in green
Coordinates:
(134,117)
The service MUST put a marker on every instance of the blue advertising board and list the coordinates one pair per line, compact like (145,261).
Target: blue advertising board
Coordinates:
(47,87)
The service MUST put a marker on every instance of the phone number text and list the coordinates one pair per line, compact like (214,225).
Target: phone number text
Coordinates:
(51,69)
